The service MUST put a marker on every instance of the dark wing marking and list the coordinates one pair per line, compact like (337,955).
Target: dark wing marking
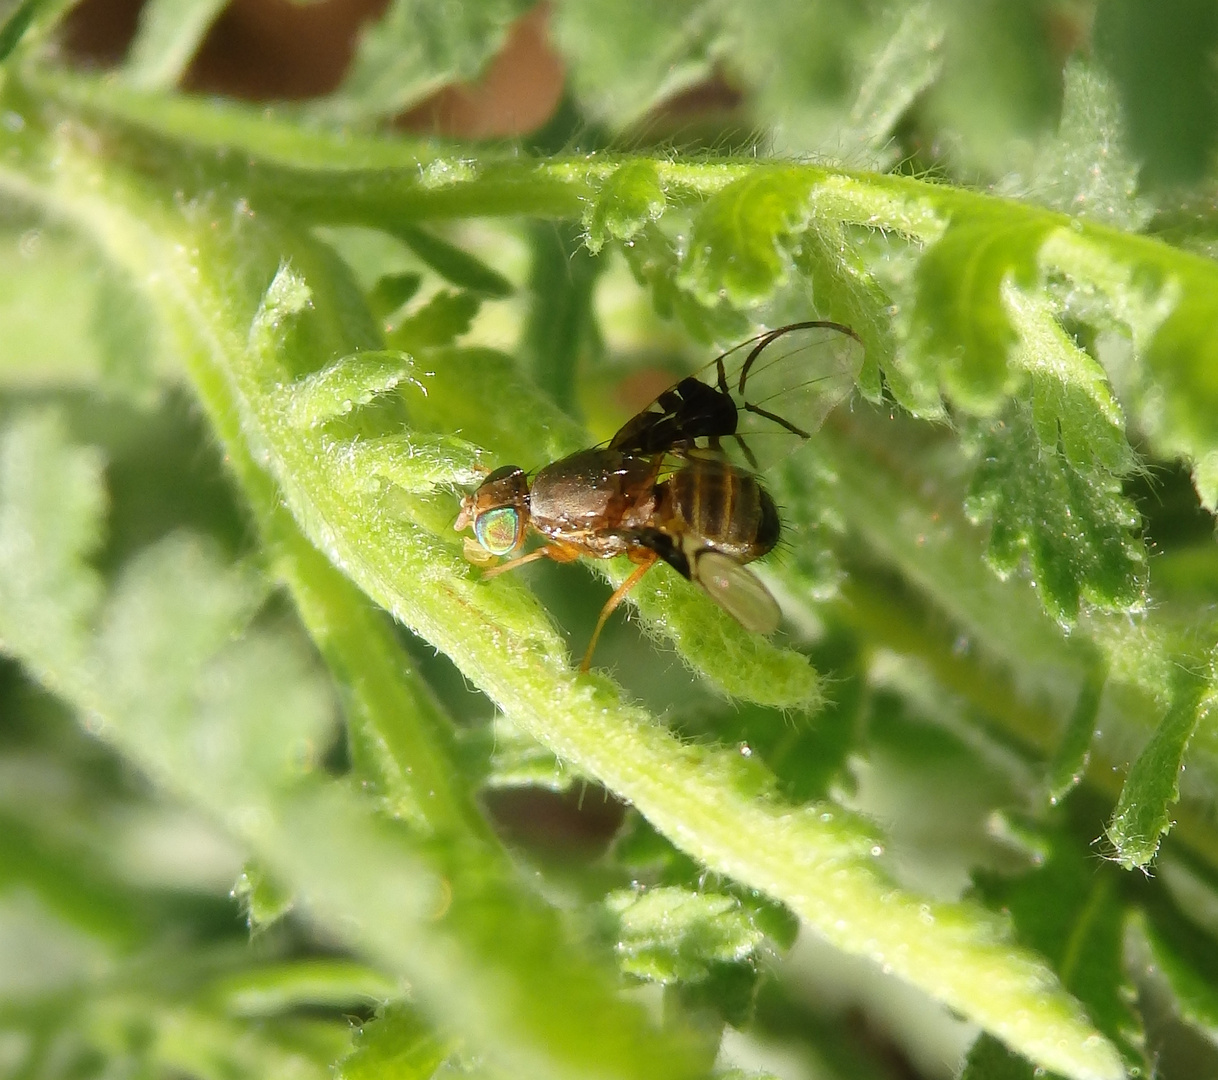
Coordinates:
(757,401)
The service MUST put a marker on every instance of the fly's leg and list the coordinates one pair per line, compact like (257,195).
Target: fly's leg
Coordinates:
(646,559)
(557,552)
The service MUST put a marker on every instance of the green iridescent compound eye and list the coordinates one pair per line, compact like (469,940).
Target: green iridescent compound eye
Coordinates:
(498,530)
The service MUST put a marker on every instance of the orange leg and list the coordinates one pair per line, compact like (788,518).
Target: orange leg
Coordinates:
(558,552)
(646,558)
(511,564)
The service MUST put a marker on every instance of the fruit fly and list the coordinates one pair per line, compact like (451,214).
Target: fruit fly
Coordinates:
(679,481)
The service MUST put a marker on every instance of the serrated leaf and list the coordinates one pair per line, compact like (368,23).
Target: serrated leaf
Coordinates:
(391,292)
(1076,531)
(397,1043)
(52,503)
(804,854)
(456,266)
(1143,811)
(960,323)
(346,384)
(1178,414)
(1086,170)
(262,899)
(630,199)
(166,40)
(796,59)
(1069,760)
(445,317)
(654,262)
(738,242)
(416,463)
(1072,401)
(670,934)
(907,63)
(624,58)
(844,290)
(415,48)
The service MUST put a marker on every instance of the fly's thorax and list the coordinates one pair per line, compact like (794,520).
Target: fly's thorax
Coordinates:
(712,503)
(590,491)
(499,513)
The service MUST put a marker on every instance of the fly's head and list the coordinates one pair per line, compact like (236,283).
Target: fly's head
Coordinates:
(499,513)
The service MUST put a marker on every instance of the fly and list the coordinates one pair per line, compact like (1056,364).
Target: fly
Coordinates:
(679,481)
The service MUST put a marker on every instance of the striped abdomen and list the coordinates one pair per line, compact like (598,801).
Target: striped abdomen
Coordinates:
(721,505)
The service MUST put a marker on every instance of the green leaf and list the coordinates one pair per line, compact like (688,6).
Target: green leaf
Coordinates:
(669,934)
(739,241)
(345,385)
(518,760)
(263,901)
(235,718)
(1069,760)
(1072,911)
(797,58)
(320,983)
(844,290)
(166,40)
(960,323)
(416,48)
(1072,401)
(446,316)
(630,199)
(655,263)
(1184,959)
(397,1043)
(131,355)
(456,266)
(1076,530)
(624,58)
(1001,77)
(16,22)
(1087,170)
(1143,812)
(559,328)
(1177,410)
(52,503)
(391,292)
(906,64)
(71,882)
(706,947)
(207,272)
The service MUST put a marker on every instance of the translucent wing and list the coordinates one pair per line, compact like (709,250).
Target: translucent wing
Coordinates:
(737,590)
(756,402)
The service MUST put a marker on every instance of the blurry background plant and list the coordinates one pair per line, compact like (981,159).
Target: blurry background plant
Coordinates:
(278,278)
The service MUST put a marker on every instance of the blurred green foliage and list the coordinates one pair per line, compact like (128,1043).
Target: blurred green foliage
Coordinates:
(286,789)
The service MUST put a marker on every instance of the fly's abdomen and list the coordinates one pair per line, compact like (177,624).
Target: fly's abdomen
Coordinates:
(723,506)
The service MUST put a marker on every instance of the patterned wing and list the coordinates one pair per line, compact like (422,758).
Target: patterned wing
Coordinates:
(757,402)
